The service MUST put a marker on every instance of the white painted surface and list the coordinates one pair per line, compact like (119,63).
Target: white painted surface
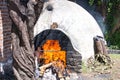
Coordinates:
(74,21)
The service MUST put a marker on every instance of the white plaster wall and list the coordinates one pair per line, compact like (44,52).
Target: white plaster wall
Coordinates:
(74,21)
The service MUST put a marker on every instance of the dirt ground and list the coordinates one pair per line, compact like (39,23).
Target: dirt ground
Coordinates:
(115,71)
(99,73)
(104,72)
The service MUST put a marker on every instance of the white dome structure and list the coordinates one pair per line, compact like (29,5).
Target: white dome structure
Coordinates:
(72,20)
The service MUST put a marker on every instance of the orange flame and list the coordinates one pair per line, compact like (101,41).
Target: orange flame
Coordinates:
(53,52)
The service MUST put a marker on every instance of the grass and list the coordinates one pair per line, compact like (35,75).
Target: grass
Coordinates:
(114,56)
(84,68)
(115,71)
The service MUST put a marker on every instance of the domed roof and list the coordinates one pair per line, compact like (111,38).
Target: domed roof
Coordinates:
(72,20)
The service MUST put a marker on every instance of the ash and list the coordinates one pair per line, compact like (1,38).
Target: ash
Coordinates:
(48,75)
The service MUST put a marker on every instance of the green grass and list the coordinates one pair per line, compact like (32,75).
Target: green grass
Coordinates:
(84,68)
(114,56)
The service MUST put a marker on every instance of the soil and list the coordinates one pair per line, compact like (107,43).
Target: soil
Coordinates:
(100,73)
(112,73)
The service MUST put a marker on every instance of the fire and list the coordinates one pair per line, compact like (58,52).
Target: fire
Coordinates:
(52,52)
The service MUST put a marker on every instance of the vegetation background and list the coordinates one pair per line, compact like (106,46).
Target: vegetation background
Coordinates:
(110,10)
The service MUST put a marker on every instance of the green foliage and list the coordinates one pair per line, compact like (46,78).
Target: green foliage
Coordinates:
(91,2)
(99,2)
(109,7)
(109,21)
(113,47)
(115,40)
(112,13)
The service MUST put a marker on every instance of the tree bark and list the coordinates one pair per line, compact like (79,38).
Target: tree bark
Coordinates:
(23,17)
(24,14)
(100,50)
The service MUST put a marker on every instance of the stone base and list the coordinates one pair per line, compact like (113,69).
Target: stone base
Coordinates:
(74,61)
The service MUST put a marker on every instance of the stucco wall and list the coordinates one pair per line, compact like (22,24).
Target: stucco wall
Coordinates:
(74,21)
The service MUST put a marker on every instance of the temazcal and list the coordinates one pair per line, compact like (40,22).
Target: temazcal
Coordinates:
(72,20)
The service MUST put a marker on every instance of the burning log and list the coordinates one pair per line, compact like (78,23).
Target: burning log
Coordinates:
(44,67)
(59,68)
(50,56)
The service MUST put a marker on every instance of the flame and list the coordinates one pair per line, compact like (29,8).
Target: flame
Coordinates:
(52,52)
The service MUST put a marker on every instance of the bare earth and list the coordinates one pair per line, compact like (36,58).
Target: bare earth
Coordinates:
(104,74)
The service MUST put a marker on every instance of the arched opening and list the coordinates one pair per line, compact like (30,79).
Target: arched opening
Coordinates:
(63,47)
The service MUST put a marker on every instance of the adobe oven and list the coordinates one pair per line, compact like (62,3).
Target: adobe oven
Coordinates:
(50,37)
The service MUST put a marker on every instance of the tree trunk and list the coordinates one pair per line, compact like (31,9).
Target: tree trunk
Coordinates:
(23,17)
(100,50)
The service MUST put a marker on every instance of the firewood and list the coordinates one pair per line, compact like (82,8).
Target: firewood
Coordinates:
(67,78)
(62,79)
(43,68)
(60,75)
(46,66)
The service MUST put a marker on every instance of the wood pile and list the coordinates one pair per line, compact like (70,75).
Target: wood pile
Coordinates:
(59,70)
